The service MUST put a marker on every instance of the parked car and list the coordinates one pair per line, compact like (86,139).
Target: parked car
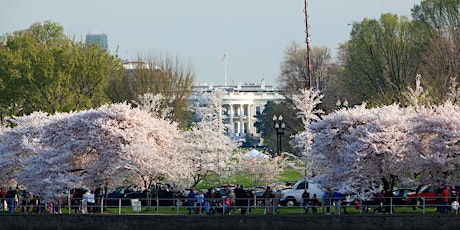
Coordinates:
(119,193)
(401,194)
(259,197)
(429,195)
(426,193)
(166,197)
(293,196)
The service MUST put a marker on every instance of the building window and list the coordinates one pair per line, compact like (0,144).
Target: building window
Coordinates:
(245,127)
(235,111)
(257,110)
(235,128)
(245,108)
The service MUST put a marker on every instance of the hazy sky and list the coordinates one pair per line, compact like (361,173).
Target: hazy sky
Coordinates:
(253,33)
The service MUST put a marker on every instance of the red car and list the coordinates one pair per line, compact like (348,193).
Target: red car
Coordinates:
(427,195)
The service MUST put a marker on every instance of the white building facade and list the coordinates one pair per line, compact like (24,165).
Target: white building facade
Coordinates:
(242,104)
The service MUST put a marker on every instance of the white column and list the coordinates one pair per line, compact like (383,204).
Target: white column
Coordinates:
(250,119)
(230,114)
(241,119)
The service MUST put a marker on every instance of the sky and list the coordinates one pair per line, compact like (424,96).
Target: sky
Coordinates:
(251,34)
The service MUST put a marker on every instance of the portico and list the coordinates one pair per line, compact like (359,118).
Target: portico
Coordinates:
(242,104)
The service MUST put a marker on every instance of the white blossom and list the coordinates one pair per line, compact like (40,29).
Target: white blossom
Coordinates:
(209,149)
(260,170)
(108,144)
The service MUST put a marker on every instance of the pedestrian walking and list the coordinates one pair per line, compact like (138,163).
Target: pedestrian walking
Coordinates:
(268,201)
(191,199)
(314,204)
(327,199)
(11,196)
(337,196)
(306,201)
(2,199)
(200,201)
(444,206)
(25,201)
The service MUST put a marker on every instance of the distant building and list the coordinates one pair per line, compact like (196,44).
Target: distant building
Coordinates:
(131,66)
(97,39)
(242,103)
(240,106)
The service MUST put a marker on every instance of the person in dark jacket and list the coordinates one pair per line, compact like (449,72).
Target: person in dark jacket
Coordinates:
(306,201)
(10,200)
(242,199)
(191,199)
(268,195)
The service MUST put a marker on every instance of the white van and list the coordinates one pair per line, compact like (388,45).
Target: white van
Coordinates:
(293,196)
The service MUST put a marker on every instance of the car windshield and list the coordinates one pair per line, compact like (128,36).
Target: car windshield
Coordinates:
(427,189)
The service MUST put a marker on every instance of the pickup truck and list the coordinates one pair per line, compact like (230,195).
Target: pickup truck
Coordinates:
(293,196)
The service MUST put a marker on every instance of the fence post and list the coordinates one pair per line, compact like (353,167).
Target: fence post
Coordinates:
(248,210)
(423,202)
(158,204)
(177,206)
(391,205)
(456,211)
(69,204)
(301,204)
(119,206)
(102,205)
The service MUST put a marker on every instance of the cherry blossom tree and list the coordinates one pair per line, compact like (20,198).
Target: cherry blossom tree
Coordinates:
(260,169)
(417,97)
(156,105)
(109,144)
(209,149)
(17,145)
(146,167)
(436,142)
(306,104)
(361,151)
(356,150)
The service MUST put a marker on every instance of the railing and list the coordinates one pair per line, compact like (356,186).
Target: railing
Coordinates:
(251,206)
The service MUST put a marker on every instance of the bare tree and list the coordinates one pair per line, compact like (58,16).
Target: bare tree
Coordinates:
(437,22)
(294,71)
(156,74)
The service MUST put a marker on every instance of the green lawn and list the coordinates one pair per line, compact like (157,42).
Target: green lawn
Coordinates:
(289,175)
(285,176)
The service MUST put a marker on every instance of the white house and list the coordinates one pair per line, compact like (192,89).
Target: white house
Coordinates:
(242,103)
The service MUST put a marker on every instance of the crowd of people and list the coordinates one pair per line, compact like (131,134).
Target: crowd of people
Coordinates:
(21,200)
(228,201)
(15,199)
(219,201)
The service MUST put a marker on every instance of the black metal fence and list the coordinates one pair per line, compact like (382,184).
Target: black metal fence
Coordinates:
(251,206)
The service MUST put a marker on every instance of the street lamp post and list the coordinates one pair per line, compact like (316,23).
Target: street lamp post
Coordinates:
(279,127)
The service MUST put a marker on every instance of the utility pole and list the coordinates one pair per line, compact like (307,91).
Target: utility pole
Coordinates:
(307,40)
(308,85)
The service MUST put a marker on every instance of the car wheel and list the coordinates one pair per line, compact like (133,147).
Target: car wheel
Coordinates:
(291,203)
(179,203)
(260,203)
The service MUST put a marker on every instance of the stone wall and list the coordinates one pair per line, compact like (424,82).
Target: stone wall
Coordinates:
(285,222)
